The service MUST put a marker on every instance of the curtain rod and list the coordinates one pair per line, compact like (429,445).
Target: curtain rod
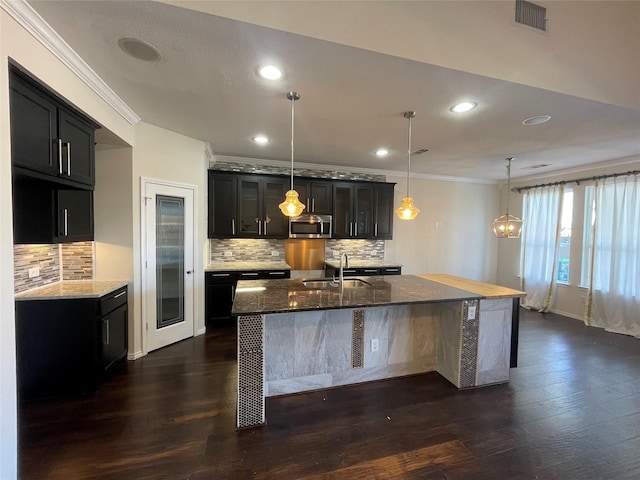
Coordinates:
(576,181)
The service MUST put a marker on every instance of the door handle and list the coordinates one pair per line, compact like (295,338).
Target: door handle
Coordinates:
(189,272)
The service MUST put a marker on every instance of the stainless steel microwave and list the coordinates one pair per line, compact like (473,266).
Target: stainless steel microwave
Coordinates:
(310,225)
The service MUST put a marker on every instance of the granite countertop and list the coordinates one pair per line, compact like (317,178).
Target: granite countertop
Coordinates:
(487,290)
(72,289)
(355,263)
(281,296)
(244,266)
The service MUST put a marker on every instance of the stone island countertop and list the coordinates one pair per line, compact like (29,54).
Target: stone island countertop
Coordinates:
(278,296)
(72,289)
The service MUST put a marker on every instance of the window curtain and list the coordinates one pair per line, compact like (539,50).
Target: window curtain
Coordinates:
(542,213)
(613,300)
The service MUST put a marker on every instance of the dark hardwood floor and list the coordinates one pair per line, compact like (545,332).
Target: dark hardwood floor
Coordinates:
(570,411)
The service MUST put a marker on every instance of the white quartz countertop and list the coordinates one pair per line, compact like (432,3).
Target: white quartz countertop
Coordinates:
(71,289)
(247,265)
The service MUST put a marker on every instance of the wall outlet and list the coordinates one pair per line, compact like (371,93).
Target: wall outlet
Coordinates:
(274,253)
(34,272)
(228,253)
(471,312)
(374,345)
(439,225)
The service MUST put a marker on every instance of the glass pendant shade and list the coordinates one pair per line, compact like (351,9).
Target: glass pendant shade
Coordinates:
(507,226)
(407,210)
(291,207)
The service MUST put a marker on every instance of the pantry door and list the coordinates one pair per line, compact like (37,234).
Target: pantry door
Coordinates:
(167,264)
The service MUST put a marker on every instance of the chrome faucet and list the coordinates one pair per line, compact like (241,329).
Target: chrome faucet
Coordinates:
(344,263)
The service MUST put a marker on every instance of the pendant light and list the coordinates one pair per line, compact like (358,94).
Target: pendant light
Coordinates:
(407,210)
(291,207)
(507,226)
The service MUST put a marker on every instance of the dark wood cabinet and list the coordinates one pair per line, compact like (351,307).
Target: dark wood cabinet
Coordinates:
(258,211)
(64,347)
(246,205)
(49,140)
(223,212)
(220,288)
(363,210)
(316,195)
(45,213)
(364,271)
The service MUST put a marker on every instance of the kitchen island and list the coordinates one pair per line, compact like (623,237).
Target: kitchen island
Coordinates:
(294,337)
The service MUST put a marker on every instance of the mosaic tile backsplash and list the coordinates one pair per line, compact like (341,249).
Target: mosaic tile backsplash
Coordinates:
(299,172)
(69,261)
(259,250)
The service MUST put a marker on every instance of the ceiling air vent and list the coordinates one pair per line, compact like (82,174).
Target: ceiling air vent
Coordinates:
(530,14)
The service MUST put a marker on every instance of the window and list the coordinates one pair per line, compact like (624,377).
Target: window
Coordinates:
(564,247)
(587,234)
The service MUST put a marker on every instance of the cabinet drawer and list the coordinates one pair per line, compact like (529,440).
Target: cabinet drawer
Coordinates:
(110,302)
(391,271)
(369,271)
(214,278)
(248,275)
(270,274)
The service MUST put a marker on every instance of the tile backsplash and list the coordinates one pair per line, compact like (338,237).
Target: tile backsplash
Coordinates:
(68,261)
(259,250)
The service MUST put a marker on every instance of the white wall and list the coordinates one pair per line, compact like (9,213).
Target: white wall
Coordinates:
(113,219)
(164,155)
(569,299)
(452,234)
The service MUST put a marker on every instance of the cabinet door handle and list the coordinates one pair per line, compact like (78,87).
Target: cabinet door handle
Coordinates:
(60,156)
(220,274)
(120,294)
(265,227)
(68,145)
(371,270)
(105,324)
(307,204)
(355,228)
(233,226)
(66,222)
(375,229)
(313,204)
(351,229)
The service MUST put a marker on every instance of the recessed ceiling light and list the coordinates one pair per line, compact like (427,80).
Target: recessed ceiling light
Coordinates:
(463,107)
(260,139)
(270,72)
(382,152)
(139,49)
(537,120)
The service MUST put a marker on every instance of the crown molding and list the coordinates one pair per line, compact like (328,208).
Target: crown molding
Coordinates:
(32,22)
(342,168)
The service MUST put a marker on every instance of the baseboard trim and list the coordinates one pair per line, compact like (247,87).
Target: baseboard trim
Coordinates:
(135,355)
(567,314)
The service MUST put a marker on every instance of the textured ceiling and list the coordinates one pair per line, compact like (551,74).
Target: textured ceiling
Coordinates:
(206,86)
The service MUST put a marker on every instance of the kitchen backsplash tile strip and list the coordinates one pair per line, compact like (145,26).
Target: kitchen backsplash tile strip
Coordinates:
(77,260)
(245,249)
(232,250)
(356,249)
(46,257)
(300,172)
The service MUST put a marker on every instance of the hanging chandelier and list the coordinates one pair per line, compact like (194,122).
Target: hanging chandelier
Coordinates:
(292,207)
(507,226)
(407,210)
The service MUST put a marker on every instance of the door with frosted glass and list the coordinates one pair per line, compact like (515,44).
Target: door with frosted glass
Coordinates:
(168,264)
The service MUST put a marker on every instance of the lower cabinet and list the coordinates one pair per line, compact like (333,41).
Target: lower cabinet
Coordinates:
(220,288)
(64,347)
(363,271)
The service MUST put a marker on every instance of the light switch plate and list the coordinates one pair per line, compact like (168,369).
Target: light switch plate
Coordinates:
(34,272)
(471,313)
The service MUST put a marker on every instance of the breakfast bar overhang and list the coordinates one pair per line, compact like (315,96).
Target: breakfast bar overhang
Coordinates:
(296,336)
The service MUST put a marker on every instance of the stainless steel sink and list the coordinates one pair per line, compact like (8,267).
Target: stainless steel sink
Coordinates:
(324,284)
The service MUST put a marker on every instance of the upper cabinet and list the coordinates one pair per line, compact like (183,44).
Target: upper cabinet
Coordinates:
(363,210)
(49,140)
(246,205)
(315,194)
